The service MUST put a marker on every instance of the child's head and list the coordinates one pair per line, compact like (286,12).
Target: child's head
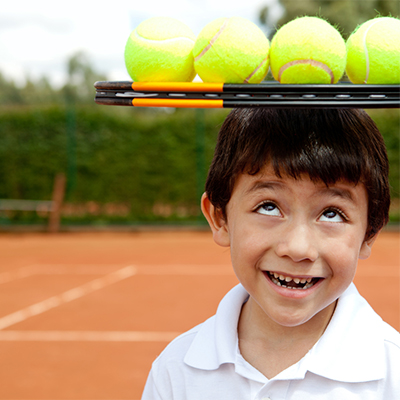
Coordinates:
(327,145)
(299,196)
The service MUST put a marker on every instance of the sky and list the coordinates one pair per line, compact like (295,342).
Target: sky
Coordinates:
(38,37)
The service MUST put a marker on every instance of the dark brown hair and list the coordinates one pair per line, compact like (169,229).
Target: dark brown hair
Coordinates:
(326,144)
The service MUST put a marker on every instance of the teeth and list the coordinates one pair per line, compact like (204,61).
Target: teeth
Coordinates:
(281,280)
(308,285)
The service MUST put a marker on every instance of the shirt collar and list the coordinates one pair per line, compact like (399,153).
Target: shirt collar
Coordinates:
(350,350)
(216,341)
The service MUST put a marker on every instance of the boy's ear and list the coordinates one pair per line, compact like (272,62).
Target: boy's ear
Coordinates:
(216,221)
(366,247)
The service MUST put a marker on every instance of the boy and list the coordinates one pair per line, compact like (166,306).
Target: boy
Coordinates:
(298,196)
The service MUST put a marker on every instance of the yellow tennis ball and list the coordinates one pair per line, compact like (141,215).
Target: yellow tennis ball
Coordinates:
(308,50)
(231,50)
(373,52)
(160,50)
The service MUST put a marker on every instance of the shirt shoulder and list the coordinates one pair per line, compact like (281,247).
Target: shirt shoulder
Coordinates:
(391,336)
(176,350)
(201,359)
(169,373)
(391,340)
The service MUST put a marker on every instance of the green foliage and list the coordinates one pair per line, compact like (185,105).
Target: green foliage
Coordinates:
(30,144)
(345,14)
(388,122)
(141,158)
(9,93)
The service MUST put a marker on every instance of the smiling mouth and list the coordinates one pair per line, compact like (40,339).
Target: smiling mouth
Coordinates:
(291,283)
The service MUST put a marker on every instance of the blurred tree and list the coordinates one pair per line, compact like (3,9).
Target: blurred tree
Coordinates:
(78,89)
(345,14)
(9,92)
(81,77)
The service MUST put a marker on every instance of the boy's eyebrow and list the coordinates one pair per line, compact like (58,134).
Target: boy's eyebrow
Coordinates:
(339,192)
(331,191)
(264,185)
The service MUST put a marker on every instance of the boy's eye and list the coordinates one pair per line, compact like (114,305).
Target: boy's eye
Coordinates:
(332,215)
(269,208)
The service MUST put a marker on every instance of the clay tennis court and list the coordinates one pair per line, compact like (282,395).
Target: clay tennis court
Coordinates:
(82,315)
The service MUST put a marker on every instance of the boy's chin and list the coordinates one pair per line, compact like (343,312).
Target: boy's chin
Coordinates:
(307,320)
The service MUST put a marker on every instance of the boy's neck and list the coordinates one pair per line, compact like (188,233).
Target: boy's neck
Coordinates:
(271,347)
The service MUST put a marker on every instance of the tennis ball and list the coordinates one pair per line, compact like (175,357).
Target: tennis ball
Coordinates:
(231,50)
(160,50)
(308,50)
(373,52)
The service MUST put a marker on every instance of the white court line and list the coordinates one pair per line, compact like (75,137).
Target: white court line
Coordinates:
(66,297)
(13,275)
(184,269)
(87,336)
(56,269)
(95,269)
(100,283)
(152,269)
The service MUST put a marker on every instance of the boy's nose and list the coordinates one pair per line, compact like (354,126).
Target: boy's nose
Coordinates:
(298,242)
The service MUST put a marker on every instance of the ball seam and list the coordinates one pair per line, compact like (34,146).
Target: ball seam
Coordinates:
(256,70)
(213,39)
(366,51)
(162,40)
(313,63)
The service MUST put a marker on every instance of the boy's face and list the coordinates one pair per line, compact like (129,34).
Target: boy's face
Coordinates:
(294,244)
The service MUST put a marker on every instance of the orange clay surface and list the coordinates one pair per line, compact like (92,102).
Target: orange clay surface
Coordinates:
(82,316)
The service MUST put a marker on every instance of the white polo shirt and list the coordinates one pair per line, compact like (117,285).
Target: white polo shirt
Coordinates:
(358,357)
